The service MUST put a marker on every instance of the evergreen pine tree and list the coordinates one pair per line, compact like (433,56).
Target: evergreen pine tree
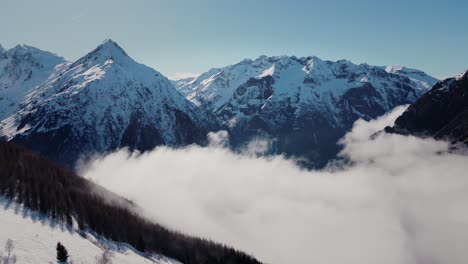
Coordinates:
(141,244)
(62,253)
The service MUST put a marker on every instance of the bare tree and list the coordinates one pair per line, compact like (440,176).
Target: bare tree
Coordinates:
(9,258)
(105,258)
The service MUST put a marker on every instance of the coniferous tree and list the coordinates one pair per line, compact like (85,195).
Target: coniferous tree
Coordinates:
(141,244)
(105,257)
(9,258)
(45,187)
(62,253)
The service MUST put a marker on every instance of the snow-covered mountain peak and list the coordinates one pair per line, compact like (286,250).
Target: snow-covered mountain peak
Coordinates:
(299,78)
(22,54)
(463,75)
(106,53)
(23,68)
(23,49)
(103,101)
(299,100)
(108,71)
(111,60)
(395,69)
(26,66)
(111,47)
(415,75)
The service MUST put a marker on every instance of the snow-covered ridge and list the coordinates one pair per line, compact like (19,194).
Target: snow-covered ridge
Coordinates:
(462,75)
(308,80)
(305,104)
(415,75)
(446,84)
(22,69)
(104,101)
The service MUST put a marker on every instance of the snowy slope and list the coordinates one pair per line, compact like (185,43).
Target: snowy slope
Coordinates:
(305,104)
(35,238)
(182,82)
(21,69)
(413,74)
(105,101)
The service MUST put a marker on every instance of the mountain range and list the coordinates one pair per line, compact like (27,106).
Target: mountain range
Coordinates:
(101,102)
(105,101)
(305,105)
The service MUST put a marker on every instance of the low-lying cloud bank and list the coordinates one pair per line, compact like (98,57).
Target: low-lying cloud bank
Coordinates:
(403,200)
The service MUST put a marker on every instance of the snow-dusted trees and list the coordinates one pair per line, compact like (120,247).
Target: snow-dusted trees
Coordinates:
(9,257)
(105,257)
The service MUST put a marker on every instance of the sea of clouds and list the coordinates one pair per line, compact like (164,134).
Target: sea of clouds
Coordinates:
(400,199)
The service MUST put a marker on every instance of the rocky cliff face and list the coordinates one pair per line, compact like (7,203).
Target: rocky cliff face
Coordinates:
(303,104)
(441,113)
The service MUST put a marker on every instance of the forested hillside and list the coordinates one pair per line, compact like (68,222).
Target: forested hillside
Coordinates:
(40,185)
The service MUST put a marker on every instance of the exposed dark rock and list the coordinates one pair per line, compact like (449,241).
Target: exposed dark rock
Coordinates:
(441,113)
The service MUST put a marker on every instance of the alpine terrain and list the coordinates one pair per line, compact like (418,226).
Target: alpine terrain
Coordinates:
(441,113)
(304,105)
(21,69)
(101,102)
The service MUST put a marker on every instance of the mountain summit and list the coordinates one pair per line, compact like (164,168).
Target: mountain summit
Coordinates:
(104,101)
(21,69)
(108,50)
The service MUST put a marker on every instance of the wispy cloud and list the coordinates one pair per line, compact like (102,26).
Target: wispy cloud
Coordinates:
(181,75)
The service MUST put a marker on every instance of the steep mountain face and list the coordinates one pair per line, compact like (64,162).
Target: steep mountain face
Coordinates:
(304,104)
(182,82)
(21,69)
(102,102)
(441,113)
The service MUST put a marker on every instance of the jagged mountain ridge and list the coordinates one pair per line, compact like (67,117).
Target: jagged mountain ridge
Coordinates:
(442,113)
(105,101)
(21,69)
(305,104)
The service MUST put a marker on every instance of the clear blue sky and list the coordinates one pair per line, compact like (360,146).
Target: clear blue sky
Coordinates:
(191,36)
